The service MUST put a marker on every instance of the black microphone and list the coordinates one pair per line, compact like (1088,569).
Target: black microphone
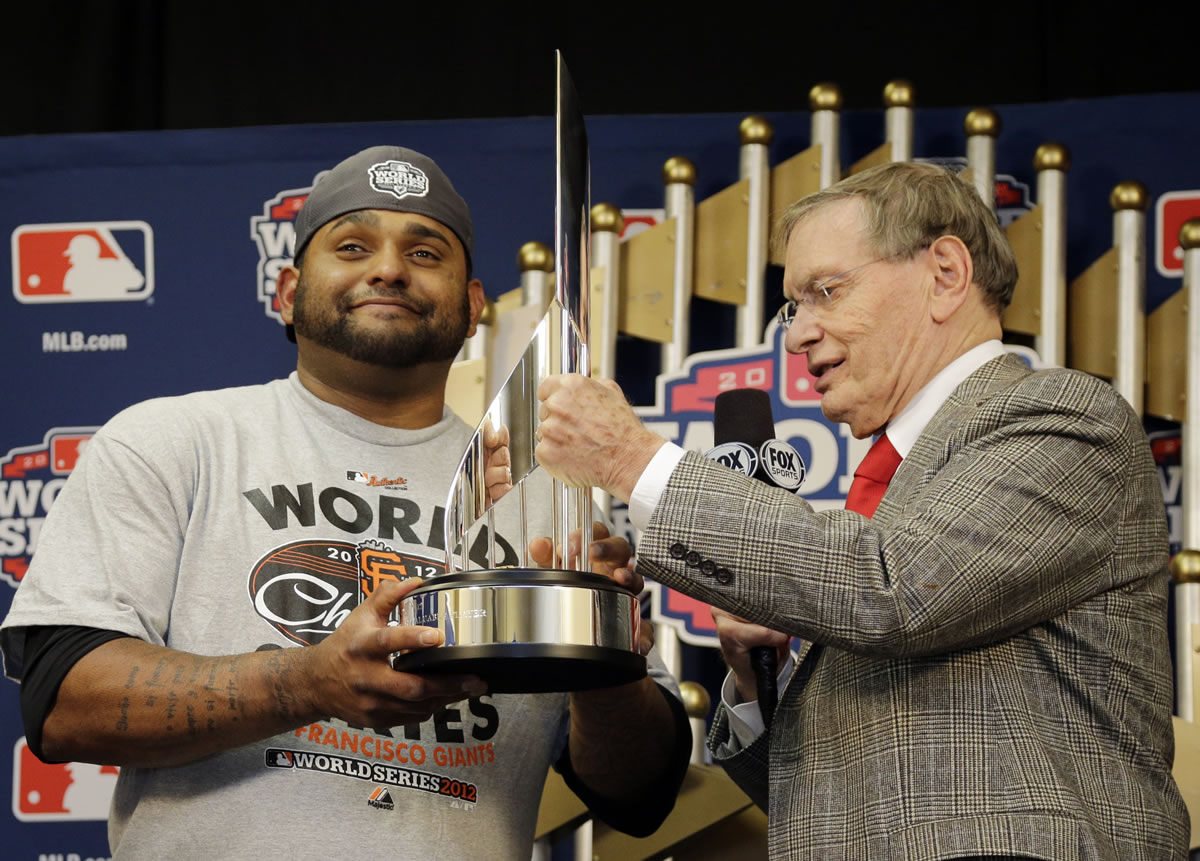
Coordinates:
(744,439)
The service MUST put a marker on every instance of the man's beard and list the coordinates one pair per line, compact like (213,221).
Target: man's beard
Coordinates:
(436,335)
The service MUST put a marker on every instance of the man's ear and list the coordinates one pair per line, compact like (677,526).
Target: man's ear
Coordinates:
(477,300)
(285,291)
(953,276)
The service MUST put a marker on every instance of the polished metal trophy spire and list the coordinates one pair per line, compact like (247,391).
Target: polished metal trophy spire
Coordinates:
(526,629)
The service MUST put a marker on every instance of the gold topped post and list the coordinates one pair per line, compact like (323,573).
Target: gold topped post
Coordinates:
(1051,161)
(696,702)
(1185,568)
(755,130)
(536,262)
(679,177)
(1187,588)
(607,224)
(899,101)
(604,319)
(1128,200)
(678,169)
(607,218)
(755,133)
(535,256)
(825,101)
(982,126)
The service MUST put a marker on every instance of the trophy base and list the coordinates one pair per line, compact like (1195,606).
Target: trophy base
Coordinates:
(527,630)
(516,668)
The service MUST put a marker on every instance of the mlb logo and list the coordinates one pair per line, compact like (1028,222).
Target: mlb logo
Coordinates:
(90,261)
(1171,211)
(63,791)
(65,452)
(280,759)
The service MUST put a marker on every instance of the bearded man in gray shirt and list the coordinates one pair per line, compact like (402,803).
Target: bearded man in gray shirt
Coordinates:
(204,535)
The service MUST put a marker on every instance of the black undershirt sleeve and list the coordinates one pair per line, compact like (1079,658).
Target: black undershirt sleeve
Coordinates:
(50,652)
(640,815)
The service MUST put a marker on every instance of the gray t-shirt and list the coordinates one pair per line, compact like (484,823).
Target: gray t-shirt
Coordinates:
(230,521)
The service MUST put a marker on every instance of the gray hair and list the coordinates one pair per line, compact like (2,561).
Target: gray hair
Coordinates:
(907,206)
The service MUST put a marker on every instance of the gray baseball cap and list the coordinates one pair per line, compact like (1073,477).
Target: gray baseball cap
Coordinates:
(385,177)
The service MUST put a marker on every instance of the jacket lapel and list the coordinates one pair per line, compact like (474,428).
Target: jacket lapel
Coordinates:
(930,451)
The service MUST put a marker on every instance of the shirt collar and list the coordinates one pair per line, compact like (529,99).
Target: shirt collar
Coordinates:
(903,430)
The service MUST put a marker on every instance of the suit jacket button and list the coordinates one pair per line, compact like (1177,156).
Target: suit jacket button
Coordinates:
(708,567)
(724,576)
(677,550)
(692,559)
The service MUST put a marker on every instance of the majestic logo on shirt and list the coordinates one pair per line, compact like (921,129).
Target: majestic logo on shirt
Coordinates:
(398,178)
(91,261)
(381,799)
(305,589)
(30,478)
(375,480)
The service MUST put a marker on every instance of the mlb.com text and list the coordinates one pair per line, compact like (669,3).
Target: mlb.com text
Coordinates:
(78,342)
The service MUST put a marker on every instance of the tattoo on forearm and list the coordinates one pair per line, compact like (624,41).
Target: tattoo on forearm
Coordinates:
(193,697)
(172,704)
(123,721)
(285,701)
(153,681)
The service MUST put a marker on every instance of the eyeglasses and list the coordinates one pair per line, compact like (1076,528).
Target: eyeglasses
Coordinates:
(818,296)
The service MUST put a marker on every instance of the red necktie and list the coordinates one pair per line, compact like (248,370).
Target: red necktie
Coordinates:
(872,477)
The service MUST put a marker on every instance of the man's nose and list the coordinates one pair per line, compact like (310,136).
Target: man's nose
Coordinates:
(389,266)
(804,332)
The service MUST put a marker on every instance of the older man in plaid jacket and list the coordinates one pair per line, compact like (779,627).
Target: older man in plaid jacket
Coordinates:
(984,668)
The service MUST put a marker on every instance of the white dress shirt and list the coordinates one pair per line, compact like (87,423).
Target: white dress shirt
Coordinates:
(745,718)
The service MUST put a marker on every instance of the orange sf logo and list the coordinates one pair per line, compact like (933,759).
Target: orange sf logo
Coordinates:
(375,566)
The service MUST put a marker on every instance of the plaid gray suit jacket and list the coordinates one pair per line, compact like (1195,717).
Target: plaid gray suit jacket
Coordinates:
(986,668)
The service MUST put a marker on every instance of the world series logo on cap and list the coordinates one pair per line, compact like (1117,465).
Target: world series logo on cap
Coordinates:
(399,178)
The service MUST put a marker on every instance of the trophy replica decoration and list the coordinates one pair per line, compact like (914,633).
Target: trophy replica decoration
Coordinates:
(528,630)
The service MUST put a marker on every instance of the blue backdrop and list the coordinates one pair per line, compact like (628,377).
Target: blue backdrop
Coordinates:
(176,209)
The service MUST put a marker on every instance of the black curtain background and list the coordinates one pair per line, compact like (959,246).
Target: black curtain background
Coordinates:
(137,64)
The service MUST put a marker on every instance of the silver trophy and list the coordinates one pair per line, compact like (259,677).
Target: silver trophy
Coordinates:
(522,629)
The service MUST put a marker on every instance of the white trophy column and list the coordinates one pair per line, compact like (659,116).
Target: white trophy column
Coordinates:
(898,118)
(679,177)
(1128,201)
(982,126)
(607,224)
(1186,565)
(825,102)
(755,133)
(1051,161)
(679,202)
